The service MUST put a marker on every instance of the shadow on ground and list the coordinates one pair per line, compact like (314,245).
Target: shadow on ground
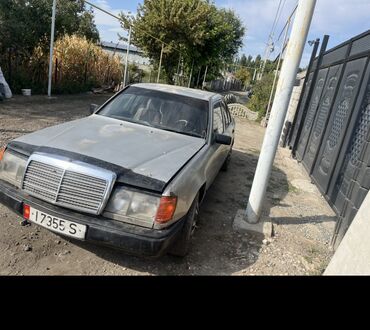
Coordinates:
(303,220)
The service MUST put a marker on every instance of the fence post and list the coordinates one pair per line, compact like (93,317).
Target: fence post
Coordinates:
(10,66)
(51,46)
(205,76)
(178,71)
(127,54)
(191,74)
(160,64)
(200,70)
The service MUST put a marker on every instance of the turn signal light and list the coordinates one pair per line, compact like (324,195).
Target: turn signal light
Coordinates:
(26,211)
(2,152)
(166,209)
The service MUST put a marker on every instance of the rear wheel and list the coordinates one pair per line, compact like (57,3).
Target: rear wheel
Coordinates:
(181,246)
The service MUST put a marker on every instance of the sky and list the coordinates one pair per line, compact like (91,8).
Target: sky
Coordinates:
(340,19)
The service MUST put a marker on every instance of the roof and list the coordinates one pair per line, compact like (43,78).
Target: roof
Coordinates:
(119,46)
(190,92)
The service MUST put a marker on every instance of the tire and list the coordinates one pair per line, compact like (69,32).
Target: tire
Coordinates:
(180,247)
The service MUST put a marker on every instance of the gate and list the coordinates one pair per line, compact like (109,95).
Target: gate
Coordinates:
(331,132)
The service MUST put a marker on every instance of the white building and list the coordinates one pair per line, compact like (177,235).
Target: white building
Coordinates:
(136,56)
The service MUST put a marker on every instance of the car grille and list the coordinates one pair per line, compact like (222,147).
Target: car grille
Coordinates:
(66,187)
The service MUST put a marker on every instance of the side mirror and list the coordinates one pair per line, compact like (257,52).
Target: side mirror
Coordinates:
(223,139)
(93,108)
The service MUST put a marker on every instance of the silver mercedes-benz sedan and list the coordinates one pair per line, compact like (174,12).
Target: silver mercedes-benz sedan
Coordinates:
(131,175)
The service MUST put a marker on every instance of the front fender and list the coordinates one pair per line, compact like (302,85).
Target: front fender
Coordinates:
(187,183)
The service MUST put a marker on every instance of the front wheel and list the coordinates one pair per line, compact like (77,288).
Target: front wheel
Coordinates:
(181,246)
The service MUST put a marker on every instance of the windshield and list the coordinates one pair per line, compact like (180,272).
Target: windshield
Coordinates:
(167,111)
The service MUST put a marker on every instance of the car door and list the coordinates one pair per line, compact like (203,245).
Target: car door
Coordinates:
(229,128)
(217,151)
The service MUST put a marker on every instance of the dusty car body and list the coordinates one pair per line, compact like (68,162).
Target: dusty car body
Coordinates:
(131,175)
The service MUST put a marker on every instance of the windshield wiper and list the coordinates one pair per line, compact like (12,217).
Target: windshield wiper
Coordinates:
(180,132)
(132,121)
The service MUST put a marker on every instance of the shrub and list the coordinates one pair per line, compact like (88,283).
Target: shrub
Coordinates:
(78,65)
(81,64)
(261,95)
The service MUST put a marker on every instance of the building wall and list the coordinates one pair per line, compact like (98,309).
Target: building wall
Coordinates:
(293,104)
(296,94)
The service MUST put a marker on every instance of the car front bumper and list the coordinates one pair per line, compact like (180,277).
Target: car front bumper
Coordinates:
(130,238)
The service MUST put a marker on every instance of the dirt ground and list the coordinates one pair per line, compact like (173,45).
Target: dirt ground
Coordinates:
(303,222)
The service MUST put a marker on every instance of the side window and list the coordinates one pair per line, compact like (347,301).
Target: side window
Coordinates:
(226,115)
(218,126)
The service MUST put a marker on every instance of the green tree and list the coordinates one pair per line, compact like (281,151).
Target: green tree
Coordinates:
(198,29)
(24,24)
(243,74)
(257,61)
(243,60)
(249,60)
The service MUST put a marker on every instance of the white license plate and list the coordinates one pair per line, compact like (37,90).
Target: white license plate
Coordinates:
(56,224)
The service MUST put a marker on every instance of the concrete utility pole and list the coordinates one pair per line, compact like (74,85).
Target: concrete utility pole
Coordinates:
(51,46)
(254,74)
(284,90)
(127,54)
(263,63)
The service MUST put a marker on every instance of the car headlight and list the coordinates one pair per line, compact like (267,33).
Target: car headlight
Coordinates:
(139,208)
(12,168)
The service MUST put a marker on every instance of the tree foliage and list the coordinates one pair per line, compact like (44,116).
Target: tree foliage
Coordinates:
(25,37)
(198,29)
(25,24)
(244,75)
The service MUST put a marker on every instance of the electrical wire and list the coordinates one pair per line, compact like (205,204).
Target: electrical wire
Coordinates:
(121,20)
(270,37)
(289,18)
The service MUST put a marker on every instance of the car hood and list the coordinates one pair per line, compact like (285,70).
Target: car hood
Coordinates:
(146,151)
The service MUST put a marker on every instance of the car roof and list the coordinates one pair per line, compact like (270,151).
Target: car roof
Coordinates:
(190,92)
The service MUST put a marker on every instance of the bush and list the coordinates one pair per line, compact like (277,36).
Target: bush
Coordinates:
(78,65)
(261,95)
(82,64)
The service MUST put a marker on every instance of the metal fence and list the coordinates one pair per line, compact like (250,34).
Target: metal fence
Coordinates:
(331,131)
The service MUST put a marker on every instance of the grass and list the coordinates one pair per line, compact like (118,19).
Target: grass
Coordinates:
(292,189)
(311,254)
